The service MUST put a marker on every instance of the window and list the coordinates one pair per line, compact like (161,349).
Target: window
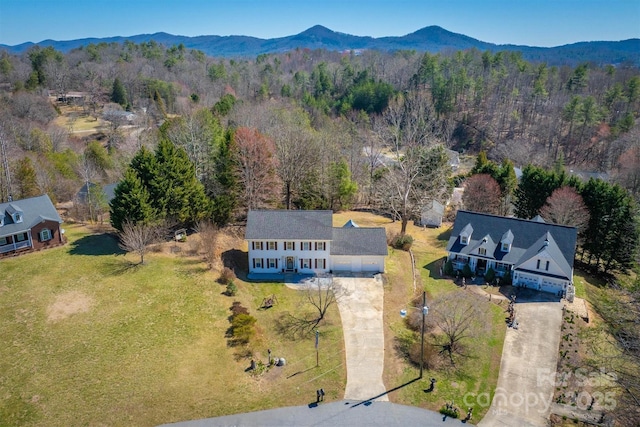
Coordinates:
(3,241)
(505,247)
(17,217)
(273,246)
(272,263)
(464,240)
(306,246)
(321,246)
(321,263)
(482,251)
(256,246)
(290,246)
(500,266)
(21,237)
(547,267)
(538,265)
(305,263)
(45,235)
(257,263)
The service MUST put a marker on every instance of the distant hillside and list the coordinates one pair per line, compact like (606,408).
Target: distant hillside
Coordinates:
(429,39)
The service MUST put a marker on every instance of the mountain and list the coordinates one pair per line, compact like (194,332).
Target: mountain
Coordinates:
(429,39)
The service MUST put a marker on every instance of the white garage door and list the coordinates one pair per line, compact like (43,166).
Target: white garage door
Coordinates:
(370,264)
(342,264)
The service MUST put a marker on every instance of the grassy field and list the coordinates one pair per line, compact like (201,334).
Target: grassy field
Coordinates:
(476,374)
(89,338)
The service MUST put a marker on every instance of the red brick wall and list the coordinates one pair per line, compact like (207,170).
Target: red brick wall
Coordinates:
(56,236)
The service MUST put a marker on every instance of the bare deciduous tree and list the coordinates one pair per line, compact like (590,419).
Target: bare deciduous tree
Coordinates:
(456,316)
(320,294)
(482,194)
(257,166)
(137,238)
(565,206)
(208,232)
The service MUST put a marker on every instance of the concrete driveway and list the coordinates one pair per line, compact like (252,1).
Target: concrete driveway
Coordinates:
(527,370)
(361,301)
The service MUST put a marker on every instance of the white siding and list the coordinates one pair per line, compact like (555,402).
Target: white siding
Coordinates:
(282,254)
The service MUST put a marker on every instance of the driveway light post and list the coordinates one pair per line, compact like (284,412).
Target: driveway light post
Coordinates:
(425,311)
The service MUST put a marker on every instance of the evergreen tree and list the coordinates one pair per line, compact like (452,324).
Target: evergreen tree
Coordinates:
(223,187)
(131,202)
(119,94)
(27,181)
(536,185)
(342,188)
(612,235)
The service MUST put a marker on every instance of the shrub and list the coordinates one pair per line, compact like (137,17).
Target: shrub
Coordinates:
(448,268)
(490,275)
(448,412)
(242,328)
(226,276)
(429,353)
(402,241)
(466,271)
(238,308)
(507,279)
(232,289)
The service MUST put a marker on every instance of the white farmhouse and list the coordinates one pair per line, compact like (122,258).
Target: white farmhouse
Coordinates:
(282,241)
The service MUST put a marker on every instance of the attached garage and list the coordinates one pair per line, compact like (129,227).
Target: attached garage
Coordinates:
(356,249)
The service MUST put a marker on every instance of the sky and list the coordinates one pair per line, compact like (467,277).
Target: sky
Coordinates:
(523,22)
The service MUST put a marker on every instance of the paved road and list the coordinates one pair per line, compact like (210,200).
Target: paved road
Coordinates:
(361,301)
(344,413)
(529,359)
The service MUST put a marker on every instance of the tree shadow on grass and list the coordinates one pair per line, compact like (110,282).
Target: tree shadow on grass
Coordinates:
(434,268)
(237,261)
(116,267)
(96,245)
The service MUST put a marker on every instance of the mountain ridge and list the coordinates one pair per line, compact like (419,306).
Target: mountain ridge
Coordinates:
(431,39)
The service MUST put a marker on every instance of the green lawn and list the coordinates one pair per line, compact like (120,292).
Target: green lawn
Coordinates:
(91,339)
(476,374)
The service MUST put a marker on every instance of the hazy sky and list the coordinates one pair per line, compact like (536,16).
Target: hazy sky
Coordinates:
(526,22)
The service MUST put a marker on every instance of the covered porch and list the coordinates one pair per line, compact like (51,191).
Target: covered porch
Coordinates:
(15,242)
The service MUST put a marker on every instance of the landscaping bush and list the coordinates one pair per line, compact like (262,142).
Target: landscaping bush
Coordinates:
(402,241)
(448,412)
(242,328)
(466,271)
(226,276)
(448,268)
(507,279)
(238,308)
(232,289)
(429,353)
(242,325)
(490,275)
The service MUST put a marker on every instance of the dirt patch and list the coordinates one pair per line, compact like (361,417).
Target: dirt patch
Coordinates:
(68,304)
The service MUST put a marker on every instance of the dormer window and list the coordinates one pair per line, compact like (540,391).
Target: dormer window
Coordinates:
(482,251)
(506,241)
(17,218)
(465,234)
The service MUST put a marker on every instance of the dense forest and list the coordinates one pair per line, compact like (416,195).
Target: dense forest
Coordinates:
(189,137)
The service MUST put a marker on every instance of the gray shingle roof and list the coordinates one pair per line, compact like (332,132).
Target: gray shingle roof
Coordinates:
(359,241)
(316,225)
(286,224)
(34,210)
(526,235)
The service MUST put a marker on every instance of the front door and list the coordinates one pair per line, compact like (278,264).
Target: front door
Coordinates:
(481,267)
(290,263)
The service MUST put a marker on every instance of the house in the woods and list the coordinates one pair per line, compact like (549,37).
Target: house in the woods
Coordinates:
(28,225)
(282,241)
(535,254)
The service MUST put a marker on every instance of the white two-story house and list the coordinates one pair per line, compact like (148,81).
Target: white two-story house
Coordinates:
(538,255)
(282,241)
